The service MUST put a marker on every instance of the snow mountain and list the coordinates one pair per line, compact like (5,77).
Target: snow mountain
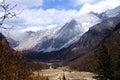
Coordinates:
(76,37)
(59,37)
(87,42)
(91,37)
(110,13)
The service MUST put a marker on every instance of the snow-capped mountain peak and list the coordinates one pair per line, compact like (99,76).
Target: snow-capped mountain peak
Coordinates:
(110,13)
(58,38)
(88,20)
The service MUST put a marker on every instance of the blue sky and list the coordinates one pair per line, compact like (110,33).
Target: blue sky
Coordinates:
(42,14)
(59,4)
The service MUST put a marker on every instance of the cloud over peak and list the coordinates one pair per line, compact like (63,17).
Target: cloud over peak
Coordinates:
(35,16)
(81,2)
(99,7)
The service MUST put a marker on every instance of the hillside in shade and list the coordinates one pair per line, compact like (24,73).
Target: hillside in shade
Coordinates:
(89,61)
(12,64)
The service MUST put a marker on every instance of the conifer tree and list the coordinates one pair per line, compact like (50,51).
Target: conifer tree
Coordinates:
(104,67)
(117,66)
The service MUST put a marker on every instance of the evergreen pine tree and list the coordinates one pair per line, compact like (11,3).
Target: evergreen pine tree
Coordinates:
(104,67)
(117,66)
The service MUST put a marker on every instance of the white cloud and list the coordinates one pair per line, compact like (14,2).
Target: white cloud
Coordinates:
(47,17)
(23,4)
(81,2)
(33,28)
(0,1)
(26,3)
(99,7)
(37,18)
(34,18)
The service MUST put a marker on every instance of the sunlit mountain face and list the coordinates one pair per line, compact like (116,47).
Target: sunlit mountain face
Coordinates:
(42,28)
(87,31)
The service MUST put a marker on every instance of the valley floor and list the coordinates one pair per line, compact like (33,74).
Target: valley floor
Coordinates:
(59,74)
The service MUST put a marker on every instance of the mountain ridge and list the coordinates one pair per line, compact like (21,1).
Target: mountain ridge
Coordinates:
(50,39)
(76,37)
(88,62)
(91,39)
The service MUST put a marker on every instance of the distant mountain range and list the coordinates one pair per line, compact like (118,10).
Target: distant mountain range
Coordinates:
(76,37)
(60,37)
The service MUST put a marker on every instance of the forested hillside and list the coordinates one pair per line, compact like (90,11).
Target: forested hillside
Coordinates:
(13,66)
(105,59)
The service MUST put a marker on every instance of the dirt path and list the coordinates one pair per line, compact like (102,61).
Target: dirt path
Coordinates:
(57,74)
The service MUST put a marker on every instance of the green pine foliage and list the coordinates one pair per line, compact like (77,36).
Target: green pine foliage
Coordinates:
(105,63)
(108,67)
(117,66)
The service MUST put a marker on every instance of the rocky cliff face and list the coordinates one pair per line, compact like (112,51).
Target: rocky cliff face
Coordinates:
(59,37)
(91,39)
(88,41)
(88,61)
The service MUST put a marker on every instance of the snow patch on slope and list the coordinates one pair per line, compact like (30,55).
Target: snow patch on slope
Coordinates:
(70,33)
(88,20)
(38,37)
(67,34)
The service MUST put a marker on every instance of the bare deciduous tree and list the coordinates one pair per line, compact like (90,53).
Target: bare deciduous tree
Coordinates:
(6,12)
